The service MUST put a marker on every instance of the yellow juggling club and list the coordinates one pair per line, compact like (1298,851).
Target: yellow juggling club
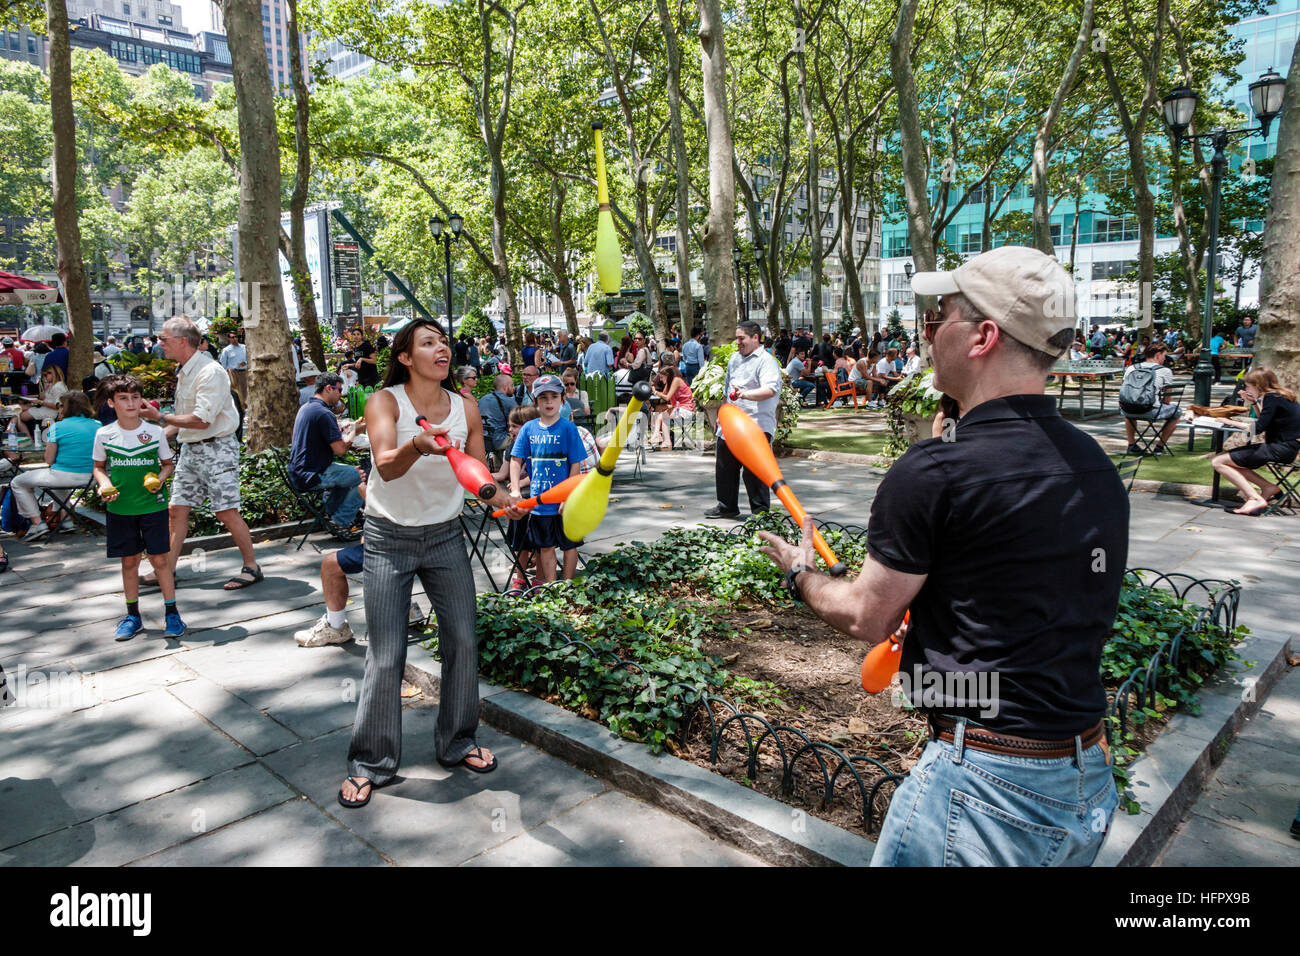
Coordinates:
(609,258)
(586,506)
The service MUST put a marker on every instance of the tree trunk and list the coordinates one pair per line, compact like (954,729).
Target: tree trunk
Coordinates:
(681,159)
(813,220)
(915,171)
(67,229)
(1279,277)
(272,394)
(302,290)
(1041,220)
(719,230)
(1191,263)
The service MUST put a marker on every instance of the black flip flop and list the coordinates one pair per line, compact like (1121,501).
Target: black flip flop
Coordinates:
(368,786)
(4,563)
(1245,514)
(239,583)
(476,752)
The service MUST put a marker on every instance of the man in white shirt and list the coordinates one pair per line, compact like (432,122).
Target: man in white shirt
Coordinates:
(111,347)
(795,370)
(205,421)
(913,363)
(753,383)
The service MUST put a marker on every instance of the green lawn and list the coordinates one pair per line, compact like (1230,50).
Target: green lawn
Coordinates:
(818,439)
(1183,466)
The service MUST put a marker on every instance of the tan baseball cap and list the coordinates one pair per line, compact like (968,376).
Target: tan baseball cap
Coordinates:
(1028,294)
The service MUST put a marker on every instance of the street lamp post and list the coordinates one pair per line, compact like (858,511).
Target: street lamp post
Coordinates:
(916,320)
(447,237)
(1178,107)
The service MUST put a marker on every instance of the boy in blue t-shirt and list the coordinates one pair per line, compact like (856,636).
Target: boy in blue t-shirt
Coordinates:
(554,451)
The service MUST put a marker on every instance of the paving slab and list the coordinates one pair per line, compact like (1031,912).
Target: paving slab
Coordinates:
(117,838)
(309,690)
(295,833)
(1203,842)
(614,829)
(433,815)
(251,728)
(1256,789)
(67,768)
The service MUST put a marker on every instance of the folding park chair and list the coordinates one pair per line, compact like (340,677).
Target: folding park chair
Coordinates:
(1147,429)
(1287,476)
(687,430)
(1128,469)
(838,391)
(65,509)
(476,521)
(636,442)
(313,502)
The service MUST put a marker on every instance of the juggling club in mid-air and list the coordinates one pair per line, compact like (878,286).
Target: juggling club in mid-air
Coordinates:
(585,508)
(609,257)
(747,442)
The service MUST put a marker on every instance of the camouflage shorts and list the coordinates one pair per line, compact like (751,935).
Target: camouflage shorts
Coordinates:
(208,470)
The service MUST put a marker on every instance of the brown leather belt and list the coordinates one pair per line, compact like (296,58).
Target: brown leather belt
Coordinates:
(978,738)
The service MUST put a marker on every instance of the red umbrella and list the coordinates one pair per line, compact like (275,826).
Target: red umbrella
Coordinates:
(17,290)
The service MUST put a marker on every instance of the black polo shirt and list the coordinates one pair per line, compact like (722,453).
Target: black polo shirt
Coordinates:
(1021,524)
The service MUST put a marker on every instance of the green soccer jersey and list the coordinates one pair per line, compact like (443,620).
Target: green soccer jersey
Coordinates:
(128,457)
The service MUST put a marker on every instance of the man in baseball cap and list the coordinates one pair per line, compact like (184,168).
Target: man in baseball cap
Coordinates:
(979,533)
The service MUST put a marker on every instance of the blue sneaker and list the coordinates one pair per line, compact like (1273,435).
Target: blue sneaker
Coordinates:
(131,626)
(175,626)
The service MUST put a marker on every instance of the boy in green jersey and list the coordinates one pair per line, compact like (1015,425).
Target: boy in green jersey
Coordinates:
(132,460)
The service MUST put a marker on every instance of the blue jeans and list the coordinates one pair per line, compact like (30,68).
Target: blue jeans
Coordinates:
(965,807)
(689,373)
(342,500)
(804,387)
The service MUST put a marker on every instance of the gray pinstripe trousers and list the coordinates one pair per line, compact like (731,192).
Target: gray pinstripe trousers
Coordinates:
(395,555)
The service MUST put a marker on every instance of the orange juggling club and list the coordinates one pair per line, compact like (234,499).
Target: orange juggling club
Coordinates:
(472,474)
(551,496)
(747,442)
(881,663)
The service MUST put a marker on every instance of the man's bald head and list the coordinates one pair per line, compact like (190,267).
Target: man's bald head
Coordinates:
(503,383)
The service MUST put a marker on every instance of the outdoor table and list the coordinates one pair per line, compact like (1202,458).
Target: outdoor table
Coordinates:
(1231,360)
(1083,377)
(1219,428)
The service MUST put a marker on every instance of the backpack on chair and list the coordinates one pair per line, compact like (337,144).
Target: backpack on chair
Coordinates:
(1139,393)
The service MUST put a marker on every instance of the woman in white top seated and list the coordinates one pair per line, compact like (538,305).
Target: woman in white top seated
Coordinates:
(413,529)
(46,407)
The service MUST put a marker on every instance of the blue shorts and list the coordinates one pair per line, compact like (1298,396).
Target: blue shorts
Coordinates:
(352,559)
(128,535)
(547,531)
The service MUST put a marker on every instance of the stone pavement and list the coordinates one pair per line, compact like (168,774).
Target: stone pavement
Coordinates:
(228,745)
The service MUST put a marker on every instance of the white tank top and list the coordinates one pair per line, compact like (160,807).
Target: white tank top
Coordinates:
(428,493)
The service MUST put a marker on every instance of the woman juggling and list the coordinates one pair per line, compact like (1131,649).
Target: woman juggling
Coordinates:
(413,530)
(1278,419)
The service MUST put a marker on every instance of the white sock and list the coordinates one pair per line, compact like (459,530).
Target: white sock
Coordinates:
(336,619)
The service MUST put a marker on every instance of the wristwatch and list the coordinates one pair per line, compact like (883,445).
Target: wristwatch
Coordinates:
(791,584)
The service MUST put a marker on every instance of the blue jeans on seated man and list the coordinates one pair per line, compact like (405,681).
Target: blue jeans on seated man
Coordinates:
(342,500)
(966,807)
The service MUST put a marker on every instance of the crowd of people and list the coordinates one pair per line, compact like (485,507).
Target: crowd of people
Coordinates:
(991,350)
